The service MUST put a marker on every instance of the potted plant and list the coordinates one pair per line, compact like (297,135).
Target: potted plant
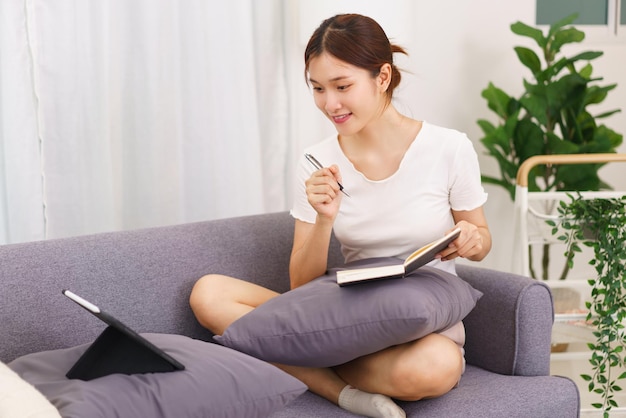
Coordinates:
(551,116)
(601,225)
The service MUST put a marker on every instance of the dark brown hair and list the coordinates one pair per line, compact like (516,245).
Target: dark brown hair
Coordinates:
(357,40)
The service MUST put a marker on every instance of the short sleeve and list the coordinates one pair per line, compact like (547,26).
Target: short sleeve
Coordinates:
(466,190)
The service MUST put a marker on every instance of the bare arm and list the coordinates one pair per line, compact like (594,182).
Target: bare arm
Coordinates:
(475,240)
(309,255)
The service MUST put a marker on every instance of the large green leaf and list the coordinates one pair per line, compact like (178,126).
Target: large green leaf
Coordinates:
(607,114)
(568,91)
(565,36)
(511,122)
(580,127)
(497,138)
(586,71)
(523,29)
(586,56)
(537,107)
(614,139)
(578,177)
(513,109)
(503,138)
(508,169)
(529,58)
(497,100)
(599,143)
(486,126)
(554,69)
(556,145)
(528,140)
(597,94)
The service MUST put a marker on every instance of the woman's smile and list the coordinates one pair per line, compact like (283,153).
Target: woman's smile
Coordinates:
(339,119)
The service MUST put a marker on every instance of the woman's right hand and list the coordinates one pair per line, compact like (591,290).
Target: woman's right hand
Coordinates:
(322,191)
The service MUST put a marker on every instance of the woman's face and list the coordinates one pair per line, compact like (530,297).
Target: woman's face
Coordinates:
(349,96)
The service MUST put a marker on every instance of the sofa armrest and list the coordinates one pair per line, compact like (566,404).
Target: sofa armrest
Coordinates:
(509,330)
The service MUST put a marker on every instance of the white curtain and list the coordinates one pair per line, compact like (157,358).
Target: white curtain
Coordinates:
(21,209)
(126,114)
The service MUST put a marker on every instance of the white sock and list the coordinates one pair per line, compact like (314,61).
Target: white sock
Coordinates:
(371,405)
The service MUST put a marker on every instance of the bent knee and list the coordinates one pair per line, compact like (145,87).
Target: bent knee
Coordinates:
(205,289)
(432,370)
(207,295)
(217,301)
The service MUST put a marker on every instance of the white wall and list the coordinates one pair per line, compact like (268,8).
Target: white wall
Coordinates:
(456,48)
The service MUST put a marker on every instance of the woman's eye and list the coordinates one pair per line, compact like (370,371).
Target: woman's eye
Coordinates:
(343,87)
(317,89)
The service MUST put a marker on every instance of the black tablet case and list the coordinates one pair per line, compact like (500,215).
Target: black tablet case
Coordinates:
(119,349)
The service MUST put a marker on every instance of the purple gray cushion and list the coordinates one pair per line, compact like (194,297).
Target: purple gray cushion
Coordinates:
(321,324)
(216,382)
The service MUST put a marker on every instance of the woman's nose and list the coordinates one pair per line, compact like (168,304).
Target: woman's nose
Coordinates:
(331,103)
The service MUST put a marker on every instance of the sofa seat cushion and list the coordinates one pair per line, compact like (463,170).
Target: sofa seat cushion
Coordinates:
(480,394)
(216,382)
(321,324)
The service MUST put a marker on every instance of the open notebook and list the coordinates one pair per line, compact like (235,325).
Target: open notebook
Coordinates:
(417,259)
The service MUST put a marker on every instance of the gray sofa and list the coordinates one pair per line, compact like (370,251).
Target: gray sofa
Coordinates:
(144,277)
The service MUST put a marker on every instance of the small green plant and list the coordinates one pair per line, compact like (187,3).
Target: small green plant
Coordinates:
(550,116)
(601,225)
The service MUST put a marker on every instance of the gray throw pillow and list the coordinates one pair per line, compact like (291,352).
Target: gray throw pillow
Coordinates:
(216,382)
(321,324)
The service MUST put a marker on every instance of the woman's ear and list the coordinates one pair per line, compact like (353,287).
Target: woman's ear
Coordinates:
(384,77)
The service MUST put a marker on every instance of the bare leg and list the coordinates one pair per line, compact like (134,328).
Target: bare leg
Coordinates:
(424,368)
(217,301)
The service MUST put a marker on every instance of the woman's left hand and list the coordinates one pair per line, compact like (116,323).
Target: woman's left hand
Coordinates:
(474,243)
(468,244)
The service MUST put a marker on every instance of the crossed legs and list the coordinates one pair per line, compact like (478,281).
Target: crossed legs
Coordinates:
(427,367)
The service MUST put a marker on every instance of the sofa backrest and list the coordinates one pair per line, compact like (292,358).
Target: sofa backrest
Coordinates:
(143,277)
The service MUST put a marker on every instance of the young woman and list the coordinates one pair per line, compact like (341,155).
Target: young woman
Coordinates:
(409,182)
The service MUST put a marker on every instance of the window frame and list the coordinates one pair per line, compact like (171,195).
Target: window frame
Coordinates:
(613,32)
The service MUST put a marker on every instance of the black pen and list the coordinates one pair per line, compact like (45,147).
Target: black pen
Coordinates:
(319,166)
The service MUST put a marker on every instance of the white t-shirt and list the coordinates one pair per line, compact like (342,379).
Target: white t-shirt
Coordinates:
(395,216)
